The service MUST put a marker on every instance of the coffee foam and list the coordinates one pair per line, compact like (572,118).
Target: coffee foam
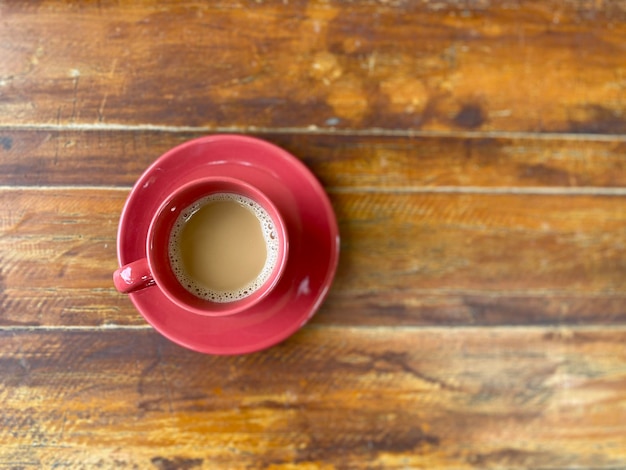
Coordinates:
(271,244)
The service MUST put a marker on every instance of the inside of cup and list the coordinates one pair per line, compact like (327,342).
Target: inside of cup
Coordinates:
(159,239)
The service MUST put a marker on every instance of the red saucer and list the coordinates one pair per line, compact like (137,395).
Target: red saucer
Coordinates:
(311,226)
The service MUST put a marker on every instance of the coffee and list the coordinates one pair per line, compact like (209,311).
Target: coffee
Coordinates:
(223,247)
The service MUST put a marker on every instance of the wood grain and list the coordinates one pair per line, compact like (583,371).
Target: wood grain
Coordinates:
(330,398)
(474,154)
(115,157)
(538,66)
(407,258)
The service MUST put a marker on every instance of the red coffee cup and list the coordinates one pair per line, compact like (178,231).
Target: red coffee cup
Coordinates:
(156,270)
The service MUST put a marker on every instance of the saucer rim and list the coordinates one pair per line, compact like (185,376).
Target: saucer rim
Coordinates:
(318,296)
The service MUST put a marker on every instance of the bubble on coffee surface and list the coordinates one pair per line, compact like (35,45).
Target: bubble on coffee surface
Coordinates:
(222,296)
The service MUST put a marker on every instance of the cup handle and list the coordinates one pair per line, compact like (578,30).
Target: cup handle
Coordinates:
(133,277)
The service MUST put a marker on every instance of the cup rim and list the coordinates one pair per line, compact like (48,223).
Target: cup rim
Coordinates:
(164,276)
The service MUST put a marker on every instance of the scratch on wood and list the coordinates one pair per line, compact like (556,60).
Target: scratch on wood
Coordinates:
(55,161)
(101,108)
(76,75)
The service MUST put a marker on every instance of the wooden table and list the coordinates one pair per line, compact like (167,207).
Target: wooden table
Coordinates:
(475,154)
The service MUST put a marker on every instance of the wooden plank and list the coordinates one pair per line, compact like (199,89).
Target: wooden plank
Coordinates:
(328,398)
(57,255)
(533,66)
(408,258)
(110,157)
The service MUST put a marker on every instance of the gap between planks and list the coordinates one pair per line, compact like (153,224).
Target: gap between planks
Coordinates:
(369,328)
(315,130)
(520,190)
